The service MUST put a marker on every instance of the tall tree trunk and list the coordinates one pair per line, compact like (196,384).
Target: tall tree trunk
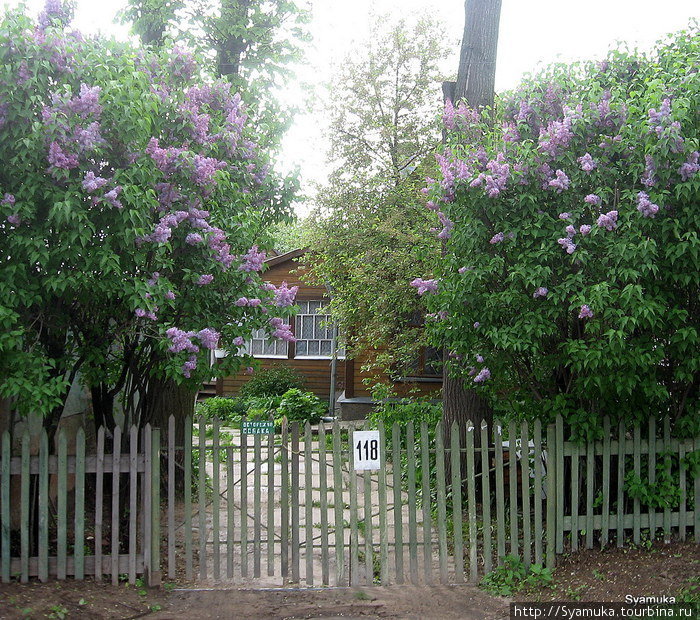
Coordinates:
(476,75)
(164,398)
(475,84)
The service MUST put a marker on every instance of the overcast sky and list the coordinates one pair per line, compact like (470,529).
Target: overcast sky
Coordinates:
(532,32)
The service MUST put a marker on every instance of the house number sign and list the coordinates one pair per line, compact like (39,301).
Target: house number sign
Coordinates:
(366,450)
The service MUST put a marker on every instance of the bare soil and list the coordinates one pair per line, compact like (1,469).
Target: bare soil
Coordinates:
(586,576)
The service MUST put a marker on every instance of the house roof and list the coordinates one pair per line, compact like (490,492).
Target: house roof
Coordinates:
(282,258)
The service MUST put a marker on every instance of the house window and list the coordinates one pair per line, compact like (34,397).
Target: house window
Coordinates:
(263,345)
(313,331)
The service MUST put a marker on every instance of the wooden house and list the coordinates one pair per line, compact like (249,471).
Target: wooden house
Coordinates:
(312,354)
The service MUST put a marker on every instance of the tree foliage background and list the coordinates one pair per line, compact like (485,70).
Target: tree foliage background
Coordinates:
(370,230)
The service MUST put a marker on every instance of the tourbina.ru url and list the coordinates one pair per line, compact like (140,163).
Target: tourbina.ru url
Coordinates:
(572,611)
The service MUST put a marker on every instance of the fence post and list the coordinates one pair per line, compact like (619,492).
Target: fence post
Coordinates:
(552,462)
(154,574)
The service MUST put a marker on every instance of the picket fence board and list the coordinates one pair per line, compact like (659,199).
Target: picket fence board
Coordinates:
(456,486)
(24,510)
(412,524)
(270,533)
(294,502)
(398,504)
(500,493)
(5,507)
(187,499)
(485,497)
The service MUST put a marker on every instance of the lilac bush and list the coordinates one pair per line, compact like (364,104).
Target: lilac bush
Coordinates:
(134,198)
(575,203)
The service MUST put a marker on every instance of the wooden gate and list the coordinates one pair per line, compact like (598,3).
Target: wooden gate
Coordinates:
(290,508)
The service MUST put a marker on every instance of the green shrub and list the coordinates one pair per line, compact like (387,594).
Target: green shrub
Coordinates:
(407,410)
(227,409)
(274,381)
(512,576)
(301,406)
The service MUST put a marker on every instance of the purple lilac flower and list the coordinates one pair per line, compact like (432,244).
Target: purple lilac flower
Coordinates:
(282,330)
(161,234)
(464,269)
(645,206)
(585,313)
(424,286)
(205,279)
(169,160)
(205,168)
(189,366)
(540,292)
(285,295)
(8,199)
(565,216)
(87,102)
(14,219)
(447,225)
(194,239)
(690,167)
(54,9)
(479,359)
(140,312)
(556,137)
(241,302)
(181,340)
(560,182)
(87,138)
(497,238)
(448,115)
(249,370)
(58,158)
(584,230)
(182,64)
(567,244)
(588,164)
(253,260)
(170,295)
(208,337)
(608,220)
(664,112)
(593,199)
(649,176)
(483,375)
(92,183)
(477,325)
(254,302)
(239,341)
(111,197)
(510,132)
(570,231)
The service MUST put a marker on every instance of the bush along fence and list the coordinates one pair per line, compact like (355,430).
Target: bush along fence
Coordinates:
(79,514)
(260,504)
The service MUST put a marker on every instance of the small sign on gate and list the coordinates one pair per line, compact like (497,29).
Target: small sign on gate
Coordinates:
(366,450)
(257,427)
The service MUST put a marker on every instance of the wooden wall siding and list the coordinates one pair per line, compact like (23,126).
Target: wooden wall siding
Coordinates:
(292,272)
(316,375)
(402,388)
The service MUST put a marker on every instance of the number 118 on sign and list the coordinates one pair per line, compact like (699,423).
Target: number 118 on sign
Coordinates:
(365,450)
